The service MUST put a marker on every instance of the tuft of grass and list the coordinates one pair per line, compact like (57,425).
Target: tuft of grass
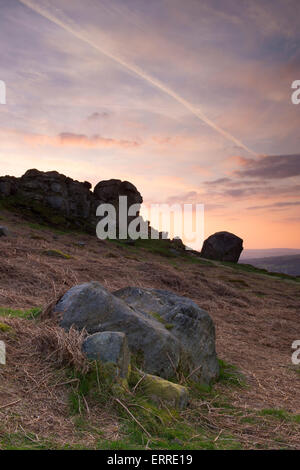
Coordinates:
(159,247)
(31,313)
(168,429)
(5,328)
(47,228)
(196,260)
(99,383)
(111,255)
(154,426)
(259,294)
(24,441)
(280,414)
(56,254)
(239,283)
(37,237)
(230,375)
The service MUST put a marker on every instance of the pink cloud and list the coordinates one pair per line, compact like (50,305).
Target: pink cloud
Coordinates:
(77,140)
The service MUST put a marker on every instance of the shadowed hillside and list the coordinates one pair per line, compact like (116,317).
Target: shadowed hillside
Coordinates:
(282,264)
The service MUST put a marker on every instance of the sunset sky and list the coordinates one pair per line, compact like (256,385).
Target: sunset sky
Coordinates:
(189,100)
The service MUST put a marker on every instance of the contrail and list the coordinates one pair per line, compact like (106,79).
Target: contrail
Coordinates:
(137,71)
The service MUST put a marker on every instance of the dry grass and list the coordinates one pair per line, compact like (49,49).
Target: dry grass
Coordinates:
(256,318)
(35,386)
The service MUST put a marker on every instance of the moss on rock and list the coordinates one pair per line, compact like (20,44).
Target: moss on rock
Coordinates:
(161,390)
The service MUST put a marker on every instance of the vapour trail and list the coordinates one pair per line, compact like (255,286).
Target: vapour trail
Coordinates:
(137,71)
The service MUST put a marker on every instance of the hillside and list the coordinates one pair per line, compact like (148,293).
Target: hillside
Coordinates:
(282,264)
(44,404)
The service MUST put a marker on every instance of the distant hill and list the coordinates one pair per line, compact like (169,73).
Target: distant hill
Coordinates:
(266,253)
(284,264)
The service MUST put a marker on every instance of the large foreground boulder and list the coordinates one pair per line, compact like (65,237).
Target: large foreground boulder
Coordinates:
(92,307)
(222,246)
(166,333)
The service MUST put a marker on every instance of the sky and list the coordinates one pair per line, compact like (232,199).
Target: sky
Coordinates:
(190,101)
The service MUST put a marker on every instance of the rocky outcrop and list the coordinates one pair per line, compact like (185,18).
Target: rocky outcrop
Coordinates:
(54,198)
(222,246)
(110,190)
(8,186)
(166,333)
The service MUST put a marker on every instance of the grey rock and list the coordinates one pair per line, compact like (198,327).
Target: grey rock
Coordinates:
(222,246)
(92,307)
(190,325)
(81,244)
(4,232)
(109,346)
(164,331)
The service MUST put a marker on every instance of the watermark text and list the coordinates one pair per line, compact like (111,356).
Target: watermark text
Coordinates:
(2,353)
(296,354)
(2,92)
(296,94)
(184,221)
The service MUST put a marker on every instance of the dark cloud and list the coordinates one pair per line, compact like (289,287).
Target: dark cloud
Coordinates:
(218,181)
(261,190)
(96,116)
(276,205)
(273,167)
(237,192)
(184,198)
(242,188)
(234,183)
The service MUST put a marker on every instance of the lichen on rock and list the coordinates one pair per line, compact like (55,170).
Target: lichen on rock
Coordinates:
(162,391)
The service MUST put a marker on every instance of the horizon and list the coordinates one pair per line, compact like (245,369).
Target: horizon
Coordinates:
(191,104)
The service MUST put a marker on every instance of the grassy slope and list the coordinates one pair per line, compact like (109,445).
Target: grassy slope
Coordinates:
(254,405)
